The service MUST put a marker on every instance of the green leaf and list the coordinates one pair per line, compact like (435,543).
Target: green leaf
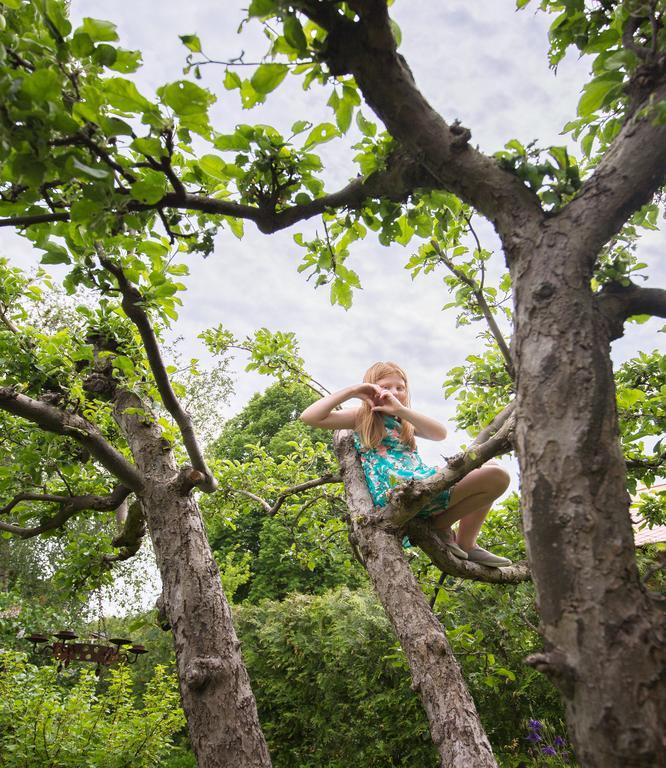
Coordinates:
(123,95)
(597,91)
(365,126)
(105,55)
(82,44)
(267,77)
(192,42)
(341,293)
(294,35)
(231,80)
(55,254)
(55,12)
(320,134)
(186,98)
(236,226)
(43,85)
(214,166)
(262,8)
(150,188)
(126,61)
(99,30)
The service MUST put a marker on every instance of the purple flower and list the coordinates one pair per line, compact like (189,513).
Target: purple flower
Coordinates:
(535,725)
(558,741)
(533,736)
(549,750)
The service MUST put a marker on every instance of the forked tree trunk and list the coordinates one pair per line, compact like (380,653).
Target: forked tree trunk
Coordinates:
(604,637)
(215,688)
(454,723)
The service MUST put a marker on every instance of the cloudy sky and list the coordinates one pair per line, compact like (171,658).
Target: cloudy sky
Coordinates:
(482,63)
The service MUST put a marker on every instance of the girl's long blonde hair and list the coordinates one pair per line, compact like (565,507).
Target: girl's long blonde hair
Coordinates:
(369,423)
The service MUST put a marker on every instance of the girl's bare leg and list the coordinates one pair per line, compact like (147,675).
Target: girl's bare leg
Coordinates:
(471,500)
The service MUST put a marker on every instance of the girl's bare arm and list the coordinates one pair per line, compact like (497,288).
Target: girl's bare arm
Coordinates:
(322,414)
(424,426)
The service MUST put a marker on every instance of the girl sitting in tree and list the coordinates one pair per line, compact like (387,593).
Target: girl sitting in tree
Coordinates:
(384,429)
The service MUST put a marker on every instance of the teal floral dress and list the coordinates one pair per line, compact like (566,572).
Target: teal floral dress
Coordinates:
(393,462)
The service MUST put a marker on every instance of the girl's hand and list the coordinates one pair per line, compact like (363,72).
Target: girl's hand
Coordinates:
(369,393)
(387,402)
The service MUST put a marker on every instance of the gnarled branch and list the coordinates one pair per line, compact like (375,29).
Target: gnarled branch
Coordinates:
(69,507)
(132,303)
(603,205)
(617,302)
(61,422)
(408,498)
(130,538)
(423,534)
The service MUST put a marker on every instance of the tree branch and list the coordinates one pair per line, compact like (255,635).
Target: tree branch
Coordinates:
(481,302)
(408,498)
(423,535)
(273,509)
(53,419)
(401,176)
(617,302)
(69,506)
(627,177)
(130,538)
(366,49)
(495,425)
(28,221)
(132,304)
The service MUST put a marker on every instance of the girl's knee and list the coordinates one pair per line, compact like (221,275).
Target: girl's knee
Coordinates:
(496,478)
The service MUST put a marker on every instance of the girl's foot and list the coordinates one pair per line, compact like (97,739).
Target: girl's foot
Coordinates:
(454,549)
(483,557)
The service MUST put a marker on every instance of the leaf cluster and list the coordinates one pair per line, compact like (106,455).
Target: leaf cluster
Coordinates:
(43,722)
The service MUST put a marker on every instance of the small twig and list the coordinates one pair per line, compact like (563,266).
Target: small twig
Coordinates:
(273,509)
(483,306)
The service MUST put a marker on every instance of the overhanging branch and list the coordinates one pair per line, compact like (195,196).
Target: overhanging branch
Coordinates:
(366,49)
(401,176)
(60,422)
(69,507)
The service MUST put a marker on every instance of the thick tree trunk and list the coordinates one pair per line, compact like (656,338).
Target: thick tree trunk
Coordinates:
(215,688)
(454,723)
(604,638)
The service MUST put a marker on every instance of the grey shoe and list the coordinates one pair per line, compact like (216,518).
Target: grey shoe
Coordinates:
(454,549)
(483,557)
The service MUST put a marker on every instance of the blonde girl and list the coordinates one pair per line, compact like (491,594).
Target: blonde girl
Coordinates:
(385,426)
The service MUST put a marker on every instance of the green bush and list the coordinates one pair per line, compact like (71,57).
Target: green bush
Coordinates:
(46,723)
(331,683)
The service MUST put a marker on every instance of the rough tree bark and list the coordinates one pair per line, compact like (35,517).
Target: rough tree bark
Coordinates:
(215,688)
(454,723)
(604,635)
